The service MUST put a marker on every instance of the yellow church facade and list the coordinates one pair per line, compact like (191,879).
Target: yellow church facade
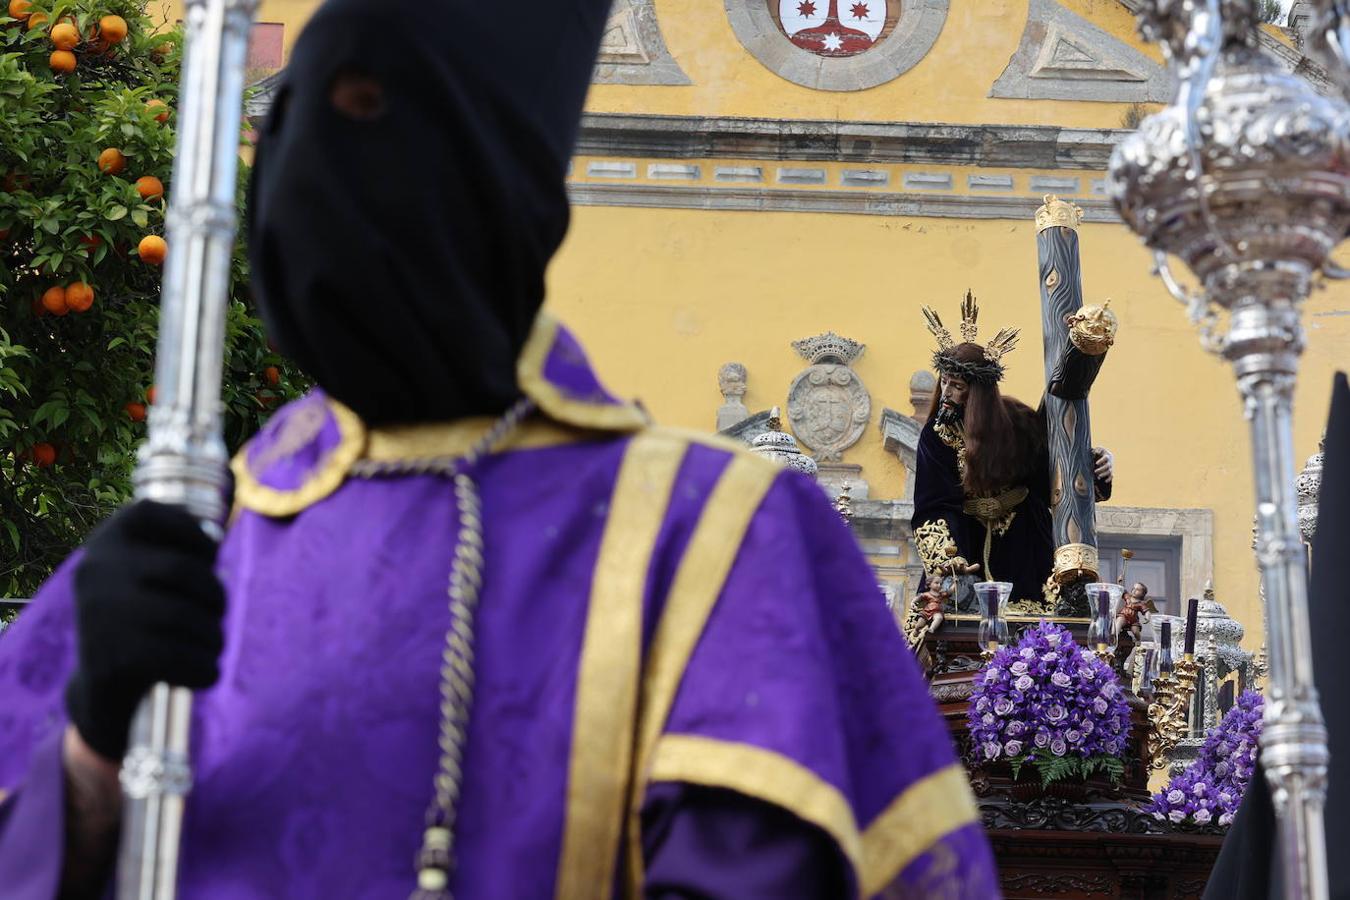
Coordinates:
(753,188)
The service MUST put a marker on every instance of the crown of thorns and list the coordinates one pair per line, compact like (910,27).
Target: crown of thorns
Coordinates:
(986,371)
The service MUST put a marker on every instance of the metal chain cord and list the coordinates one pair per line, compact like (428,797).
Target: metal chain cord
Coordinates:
(436,860)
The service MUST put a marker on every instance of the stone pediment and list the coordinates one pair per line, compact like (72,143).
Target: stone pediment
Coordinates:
(1064,56)
(632,50)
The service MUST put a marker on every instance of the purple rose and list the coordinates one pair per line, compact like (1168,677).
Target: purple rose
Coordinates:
(1058,747)
(1060,679)
(1024,683)
(1042,738)
(1013,748)
(1018,668)
(1056,713)
(1073,736)
(991,750)
(1176,796)
(1100,706)
(1003,706)
(1177,815)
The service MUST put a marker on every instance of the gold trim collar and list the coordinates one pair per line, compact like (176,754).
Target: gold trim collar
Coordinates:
(566,419)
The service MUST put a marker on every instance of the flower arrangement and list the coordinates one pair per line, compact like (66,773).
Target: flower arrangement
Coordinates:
(1211,788)
(1049,704)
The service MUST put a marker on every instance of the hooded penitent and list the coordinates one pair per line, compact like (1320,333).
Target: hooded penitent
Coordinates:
(399,245)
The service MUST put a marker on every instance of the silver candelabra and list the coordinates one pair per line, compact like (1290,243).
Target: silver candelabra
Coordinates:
(1245,178)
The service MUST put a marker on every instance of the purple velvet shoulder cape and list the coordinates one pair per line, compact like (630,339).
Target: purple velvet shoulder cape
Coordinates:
(659,610)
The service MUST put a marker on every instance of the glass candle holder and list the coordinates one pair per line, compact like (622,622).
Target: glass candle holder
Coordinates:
(1104,601)
(993,597)
(1165,661)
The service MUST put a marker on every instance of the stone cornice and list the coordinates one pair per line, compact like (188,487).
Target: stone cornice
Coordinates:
(858,202)
(696,137)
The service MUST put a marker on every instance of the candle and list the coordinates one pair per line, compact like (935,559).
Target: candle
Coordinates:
(1165,648)
(1104,605)
(1192,612)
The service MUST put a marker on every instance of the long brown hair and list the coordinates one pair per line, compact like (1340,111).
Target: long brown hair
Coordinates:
(1003,436)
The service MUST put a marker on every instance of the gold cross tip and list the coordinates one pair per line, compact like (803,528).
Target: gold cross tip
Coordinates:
(1058,213)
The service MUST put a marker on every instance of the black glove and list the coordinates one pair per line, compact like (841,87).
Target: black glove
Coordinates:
(149,608)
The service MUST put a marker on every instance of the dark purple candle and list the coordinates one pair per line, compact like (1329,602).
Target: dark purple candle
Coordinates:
(1104,605)
(1192,613)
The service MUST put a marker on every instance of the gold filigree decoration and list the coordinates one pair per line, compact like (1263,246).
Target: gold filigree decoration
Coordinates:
(1169,712)
(937,548)
(1003,343)
(1031,607)
(951,436)
(1057,212)
(970,317)
(937,329)
(1093,329)
(1075,562)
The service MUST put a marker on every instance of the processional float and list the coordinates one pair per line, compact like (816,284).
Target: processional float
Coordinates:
(183,461)
(1245,178)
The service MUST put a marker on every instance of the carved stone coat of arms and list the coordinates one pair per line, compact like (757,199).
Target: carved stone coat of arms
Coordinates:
(828,405)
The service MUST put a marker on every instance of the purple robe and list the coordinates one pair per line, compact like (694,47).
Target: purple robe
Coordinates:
(688,683)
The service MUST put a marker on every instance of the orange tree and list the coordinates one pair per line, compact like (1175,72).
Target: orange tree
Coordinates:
(87,97)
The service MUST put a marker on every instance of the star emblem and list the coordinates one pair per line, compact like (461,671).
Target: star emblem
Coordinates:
(806,8)
(860,11)
(832,41)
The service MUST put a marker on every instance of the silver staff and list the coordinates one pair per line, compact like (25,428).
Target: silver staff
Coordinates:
(183,461)
(1244,179)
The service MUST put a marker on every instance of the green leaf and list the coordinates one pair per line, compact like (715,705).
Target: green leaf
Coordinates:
(51,225)
(141,217)
(13,534)
(116,213)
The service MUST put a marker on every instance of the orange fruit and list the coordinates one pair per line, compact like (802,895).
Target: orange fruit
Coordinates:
(272,375)
(79,297)
(153,249)
(92,242)
(63,61)
(135,411)
(18,9)
(36,20)
(65,36)
(112,162)
(44,455)
(54,301)
(112,29)
(160,109)
(150,395)
(149,187)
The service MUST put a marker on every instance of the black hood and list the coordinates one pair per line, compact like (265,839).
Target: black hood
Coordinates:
(399,255)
